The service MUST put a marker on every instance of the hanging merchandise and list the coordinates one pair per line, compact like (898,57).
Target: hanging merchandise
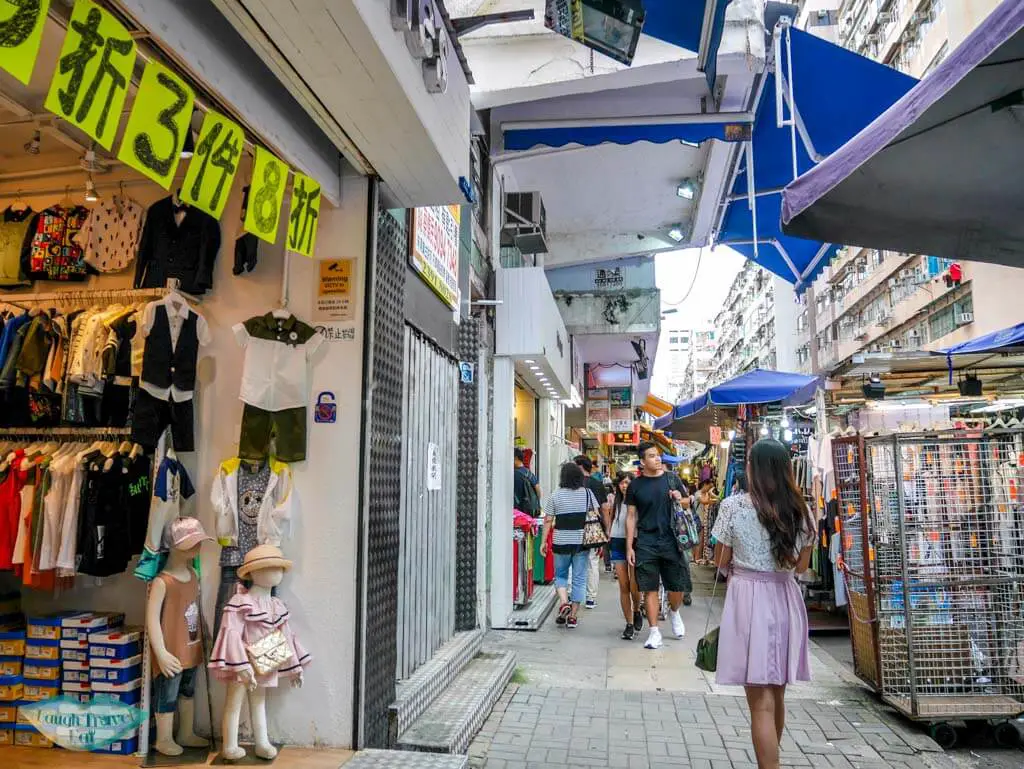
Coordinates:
(178,241)
(14,227)
(110,234)
(246,244)
(53,253)
(275,385)
(174,332)
(255,648)
(210,175)
(254,504)
(171,487)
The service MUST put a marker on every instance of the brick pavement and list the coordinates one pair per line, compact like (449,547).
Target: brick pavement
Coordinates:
(543,728)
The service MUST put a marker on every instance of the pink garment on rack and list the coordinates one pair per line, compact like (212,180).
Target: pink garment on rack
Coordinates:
(524,521)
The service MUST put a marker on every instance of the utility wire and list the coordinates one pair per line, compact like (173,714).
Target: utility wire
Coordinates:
(693,283)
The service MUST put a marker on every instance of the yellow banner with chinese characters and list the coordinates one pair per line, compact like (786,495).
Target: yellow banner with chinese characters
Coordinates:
(305,215)
(21,32)
(212,168)
(158,123)
(266,194)
(95,66)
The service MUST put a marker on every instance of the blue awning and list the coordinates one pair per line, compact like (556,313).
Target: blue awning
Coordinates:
(754,387)
(681,23)
(1006,340)
(836,93)
(591,136)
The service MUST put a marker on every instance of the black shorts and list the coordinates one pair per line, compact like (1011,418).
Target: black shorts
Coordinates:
(152,416)
(653,569)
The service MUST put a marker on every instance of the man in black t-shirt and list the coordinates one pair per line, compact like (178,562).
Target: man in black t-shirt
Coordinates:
(650,529)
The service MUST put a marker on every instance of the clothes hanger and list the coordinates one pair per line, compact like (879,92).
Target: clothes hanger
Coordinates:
(18,206)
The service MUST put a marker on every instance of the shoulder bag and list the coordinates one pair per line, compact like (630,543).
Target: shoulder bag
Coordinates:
(707,646)
(594,534)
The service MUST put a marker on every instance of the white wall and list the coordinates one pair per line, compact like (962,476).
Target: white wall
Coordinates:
(320,591)
(500,582)
(785,325)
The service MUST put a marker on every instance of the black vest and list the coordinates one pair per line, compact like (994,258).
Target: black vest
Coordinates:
(160,366)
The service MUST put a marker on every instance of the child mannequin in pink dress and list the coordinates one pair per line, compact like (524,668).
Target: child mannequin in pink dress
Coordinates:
(249,616)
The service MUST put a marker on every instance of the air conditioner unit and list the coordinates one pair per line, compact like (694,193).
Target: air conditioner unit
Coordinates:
(883,319)
(862,336)
(963,318)
(892,283)
(884,17)
(875,348)
(895,344)
(525,222)
(914,335)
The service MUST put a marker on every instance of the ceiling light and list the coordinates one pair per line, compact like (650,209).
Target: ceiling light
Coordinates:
(687,189)
(528,361)
(763,432)
(534,368)
(788,436)
(676,233)
(90,191)
(32,146)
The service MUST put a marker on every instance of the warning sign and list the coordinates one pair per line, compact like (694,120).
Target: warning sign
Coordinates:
(333,299)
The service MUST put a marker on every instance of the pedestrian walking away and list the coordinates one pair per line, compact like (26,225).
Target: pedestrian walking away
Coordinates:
(651,544)
(566,512)
(596,486)
(625,574)
(763,537)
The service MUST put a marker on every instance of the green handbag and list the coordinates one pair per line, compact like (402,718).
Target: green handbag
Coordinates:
(707,647)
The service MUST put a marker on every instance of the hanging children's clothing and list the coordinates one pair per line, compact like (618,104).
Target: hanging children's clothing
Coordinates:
(178,241)
(110,234)
(174,332)
(171,487)
(14,228)
(51,252)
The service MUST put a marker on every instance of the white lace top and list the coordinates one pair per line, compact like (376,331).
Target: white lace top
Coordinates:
(738,527)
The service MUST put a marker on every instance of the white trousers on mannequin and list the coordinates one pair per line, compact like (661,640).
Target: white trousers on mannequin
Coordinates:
(593,574)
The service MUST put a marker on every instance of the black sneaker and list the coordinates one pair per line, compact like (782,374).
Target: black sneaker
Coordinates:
(687,600)
(638,621)
(629,633)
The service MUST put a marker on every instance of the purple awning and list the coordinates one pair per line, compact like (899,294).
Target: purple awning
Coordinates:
(938,172)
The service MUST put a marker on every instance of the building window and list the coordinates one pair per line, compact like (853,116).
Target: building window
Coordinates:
(943,322)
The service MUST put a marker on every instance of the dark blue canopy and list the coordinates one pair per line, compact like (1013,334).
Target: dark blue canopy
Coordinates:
(757,386)
(681,22)
(837,93)
(997,341)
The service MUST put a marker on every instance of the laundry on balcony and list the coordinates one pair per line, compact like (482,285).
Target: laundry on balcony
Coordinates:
(818,97)
(939,172)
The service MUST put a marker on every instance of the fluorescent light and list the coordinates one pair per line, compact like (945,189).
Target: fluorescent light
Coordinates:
(763,432)
(676,233)
(788,435)
(528,361)
(687,189)
(534,368)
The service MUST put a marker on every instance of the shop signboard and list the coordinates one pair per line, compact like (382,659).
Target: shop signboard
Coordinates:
(609,277)
(266,194)
(434,249)
(21,33)
(620,409)
(715,435)
(433,468)
(598,411)
(91,79)
(305,215)
(611,27)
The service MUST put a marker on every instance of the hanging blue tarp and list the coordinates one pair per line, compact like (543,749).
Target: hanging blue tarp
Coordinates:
(754,387)
(837,93)
(681,22)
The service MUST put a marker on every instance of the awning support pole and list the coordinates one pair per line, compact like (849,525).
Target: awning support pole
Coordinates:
(792,99)
(751,193)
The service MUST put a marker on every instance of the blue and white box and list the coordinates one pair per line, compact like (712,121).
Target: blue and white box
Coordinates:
(117,644)
(129,693)
(118,671)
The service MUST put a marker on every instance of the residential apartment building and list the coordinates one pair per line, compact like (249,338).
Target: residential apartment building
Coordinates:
(675,349)
(700,364)
(755,328)
(868,300)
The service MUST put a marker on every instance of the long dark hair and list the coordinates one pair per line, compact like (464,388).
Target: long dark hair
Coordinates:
(619,497)
(780,505)
(571,477)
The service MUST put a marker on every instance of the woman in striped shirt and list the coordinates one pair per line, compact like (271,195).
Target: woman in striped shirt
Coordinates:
(565,511)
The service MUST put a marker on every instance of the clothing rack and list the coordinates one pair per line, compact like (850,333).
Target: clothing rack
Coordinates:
(43,433)
(28,301)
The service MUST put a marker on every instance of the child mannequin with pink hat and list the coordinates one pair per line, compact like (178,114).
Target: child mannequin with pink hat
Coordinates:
(255,648)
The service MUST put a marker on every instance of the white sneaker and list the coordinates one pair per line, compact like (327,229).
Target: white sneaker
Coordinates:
(678,626)
(653,639)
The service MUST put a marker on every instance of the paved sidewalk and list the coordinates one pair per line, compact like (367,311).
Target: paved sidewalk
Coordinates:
(544,728)
(587,698)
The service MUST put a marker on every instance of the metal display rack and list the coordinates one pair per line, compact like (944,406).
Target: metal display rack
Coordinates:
(942,574)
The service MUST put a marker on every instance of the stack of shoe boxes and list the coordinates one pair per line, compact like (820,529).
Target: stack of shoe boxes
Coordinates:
(12,660)
(115,670)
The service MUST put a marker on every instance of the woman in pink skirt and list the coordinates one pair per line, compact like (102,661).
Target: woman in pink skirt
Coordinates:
(763,538)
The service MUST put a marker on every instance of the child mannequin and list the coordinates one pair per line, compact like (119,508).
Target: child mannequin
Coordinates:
(251,615)
(175,637)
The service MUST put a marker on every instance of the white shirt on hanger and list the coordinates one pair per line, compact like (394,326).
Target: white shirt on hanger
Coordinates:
(177,311)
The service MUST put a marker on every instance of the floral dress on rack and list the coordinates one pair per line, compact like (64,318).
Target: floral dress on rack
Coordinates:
(246,619)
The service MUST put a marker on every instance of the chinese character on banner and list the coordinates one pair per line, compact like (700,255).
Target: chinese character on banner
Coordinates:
(266,194)
(212,168)
(91,81)
(20,36)
(157,125)
(305,215)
